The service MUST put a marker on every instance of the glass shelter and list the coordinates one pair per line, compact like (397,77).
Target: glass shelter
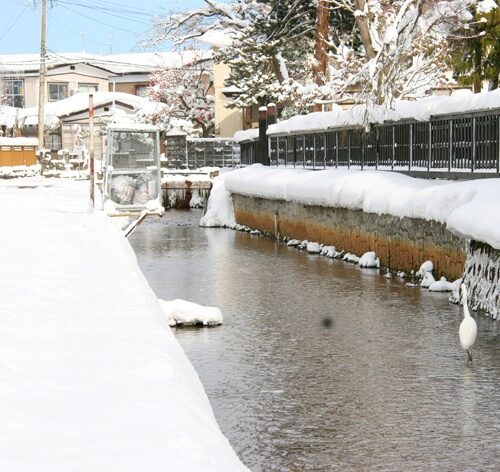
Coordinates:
(132,176)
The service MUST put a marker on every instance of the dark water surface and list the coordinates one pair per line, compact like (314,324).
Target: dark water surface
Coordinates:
(385,387)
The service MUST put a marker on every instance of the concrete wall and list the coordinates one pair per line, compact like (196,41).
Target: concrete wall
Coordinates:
(401,243)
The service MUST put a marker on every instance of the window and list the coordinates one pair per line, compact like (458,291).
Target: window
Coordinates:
(13,92)
(142,90)
(54,141)
(57,91)
(87,88)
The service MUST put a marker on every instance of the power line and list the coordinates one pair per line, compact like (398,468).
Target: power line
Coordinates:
(13,22)
(100,22)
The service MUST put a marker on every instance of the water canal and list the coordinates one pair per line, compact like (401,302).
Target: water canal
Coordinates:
(384,387)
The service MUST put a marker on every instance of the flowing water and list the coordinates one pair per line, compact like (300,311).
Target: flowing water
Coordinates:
(323,366)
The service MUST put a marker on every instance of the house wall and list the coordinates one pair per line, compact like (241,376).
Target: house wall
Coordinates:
(227,120)
(126,87)
(82,74)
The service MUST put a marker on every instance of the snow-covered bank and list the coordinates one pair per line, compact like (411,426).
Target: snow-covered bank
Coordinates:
(468,208)
(220,210)
(92,377)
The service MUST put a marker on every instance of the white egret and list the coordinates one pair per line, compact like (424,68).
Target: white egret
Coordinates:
(468,327)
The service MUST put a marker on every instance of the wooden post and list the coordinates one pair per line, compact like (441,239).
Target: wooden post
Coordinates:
(41,85)
(263,149)
(91,149)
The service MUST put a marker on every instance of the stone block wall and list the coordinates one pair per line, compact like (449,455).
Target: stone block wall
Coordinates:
(401,243)
(482,278)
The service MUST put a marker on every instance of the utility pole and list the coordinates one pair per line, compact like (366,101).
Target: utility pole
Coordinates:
(320,52)
(41,88)
(91,149)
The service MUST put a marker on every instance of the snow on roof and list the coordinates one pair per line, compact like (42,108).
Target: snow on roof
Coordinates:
(246,135)
(421,110)
(216,38)
(18,142)
(75,104)
(8,116)
(116,63)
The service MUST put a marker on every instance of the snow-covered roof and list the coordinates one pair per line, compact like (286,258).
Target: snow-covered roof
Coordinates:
(115,63)
(8,116)
(77,103)
(421,110)
(18,142)
(216,38)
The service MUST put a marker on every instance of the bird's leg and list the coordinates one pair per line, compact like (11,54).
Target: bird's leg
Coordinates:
(470,355)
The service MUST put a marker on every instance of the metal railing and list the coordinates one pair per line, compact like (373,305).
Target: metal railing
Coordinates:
(458,143)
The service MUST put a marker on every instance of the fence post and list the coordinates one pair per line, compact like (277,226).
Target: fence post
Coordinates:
(325,147)
(473,163)
(393,146)
(336,149)
(348,149)
(429,154)
(286,151)
(410,160)
(498,143)
(450,145)
(314,151)
(377,148)
(263,147)
(304,151)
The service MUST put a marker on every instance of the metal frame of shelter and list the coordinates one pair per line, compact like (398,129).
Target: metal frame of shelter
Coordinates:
(132,175)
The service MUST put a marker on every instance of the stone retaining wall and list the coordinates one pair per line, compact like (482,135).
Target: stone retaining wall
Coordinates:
(401,243)
(482,277)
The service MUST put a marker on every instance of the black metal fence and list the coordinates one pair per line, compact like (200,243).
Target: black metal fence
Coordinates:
(468,142)
(193,153)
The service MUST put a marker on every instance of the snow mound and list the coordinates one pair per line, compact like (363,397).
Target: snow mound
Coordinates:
(293,242)
(220,211)
(427,280)
(351,258)
(329,251)
(313,248)
(427,266)
(369,259)
(181,312)
(442,285)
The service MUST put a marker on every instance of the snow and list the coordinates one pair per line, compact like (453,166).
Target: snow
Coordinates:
(18,142)
(420,110)
(181,312)
(246,135)
(485,6)
(427,280)
(427,266)
(464,206)
(442,285)
(92,377)
(313,248)
(369,259)
(220,211)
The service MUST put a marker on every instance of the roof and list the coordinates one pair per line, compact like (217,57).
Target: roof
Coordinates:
(78,103)
(133,63)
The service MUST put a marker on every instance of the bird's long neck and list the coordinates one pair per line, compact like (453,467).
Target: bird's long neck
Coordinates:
(464,301)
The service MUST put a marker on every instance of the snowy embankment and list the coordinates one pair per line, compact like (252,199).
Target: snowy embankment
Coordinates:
(468,208)
(92,377)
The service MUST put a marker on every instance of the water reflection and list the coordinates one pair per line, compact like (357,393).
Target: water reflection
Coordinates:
(387,387)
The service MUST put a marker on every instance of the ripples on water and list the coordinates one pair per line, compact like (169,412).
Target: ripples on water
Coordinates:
(385,387)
